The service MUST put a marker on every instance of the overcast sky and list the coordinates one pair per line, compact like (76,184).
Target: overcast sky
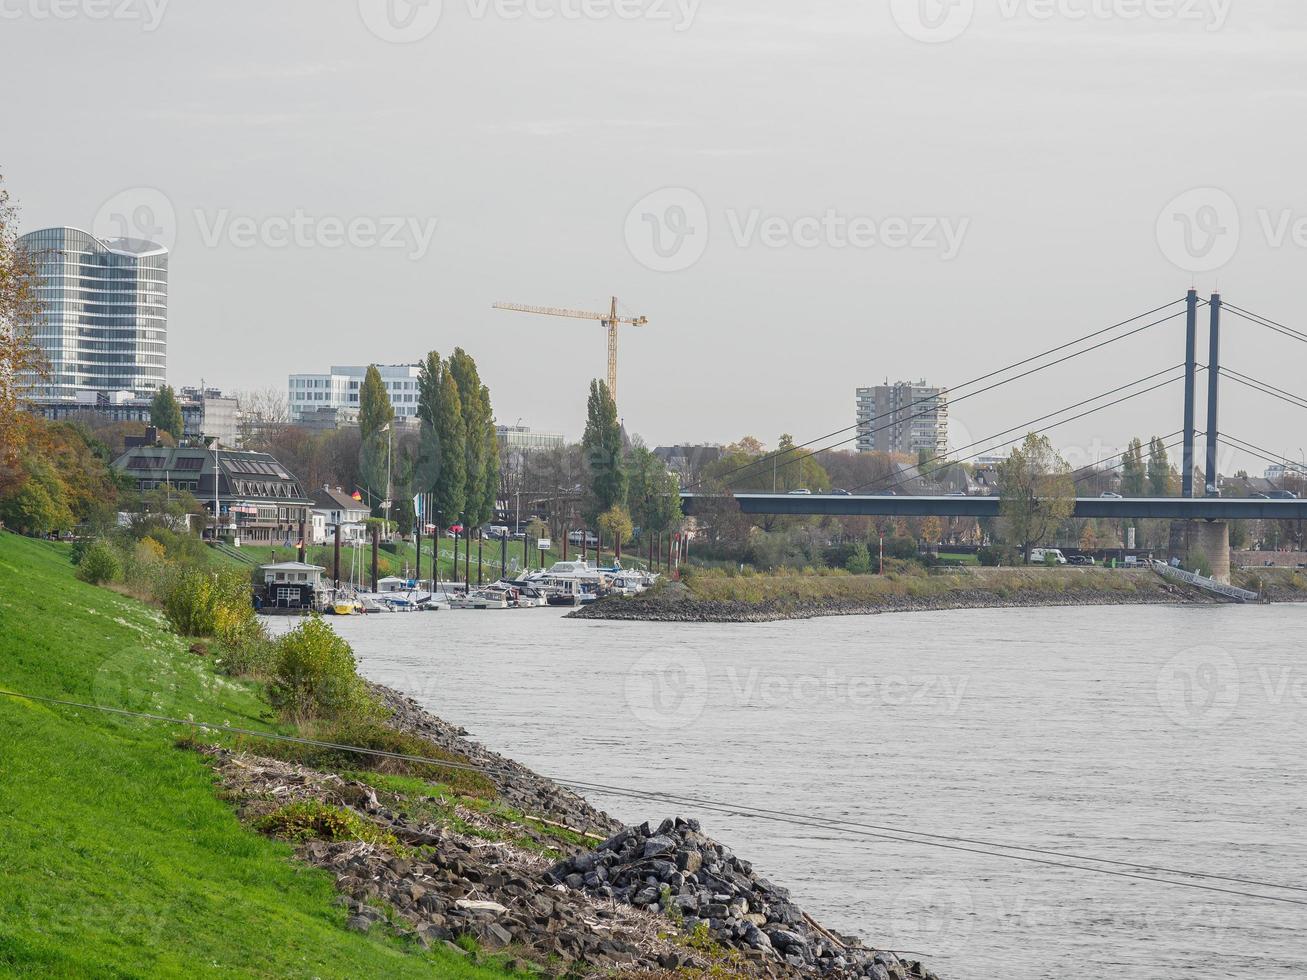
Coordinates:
(802,198)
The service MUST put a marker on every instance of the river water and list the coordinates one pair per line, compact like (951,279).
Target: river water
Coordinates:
(1153,735)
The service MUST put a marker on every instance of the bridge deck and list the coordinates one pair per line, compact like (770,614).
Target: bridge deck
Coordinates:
(1177,508)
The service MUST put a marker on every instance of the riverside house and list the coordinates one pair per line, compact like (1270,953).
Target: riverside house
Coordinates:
(257,500)
(332,507)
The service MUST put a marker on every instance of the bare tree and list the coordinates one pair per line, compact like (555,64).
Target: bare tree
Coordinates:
(260,414)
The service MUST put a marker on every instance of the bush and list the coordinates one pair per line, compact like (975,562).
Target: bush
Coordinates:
(314,675)
(98,563)
(859,561)
(209,603)
(995,556)
(315,820)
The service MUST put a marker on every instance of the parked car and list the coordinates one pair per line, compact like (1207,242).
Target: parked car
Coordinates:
(1081,560)
(495,531)
(577,537)
(1043,556)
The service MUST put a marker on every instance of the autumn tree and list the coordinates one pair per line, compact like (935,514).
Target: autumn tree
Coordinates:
(1036,492)
(21,360)
(166,412)
(616,525)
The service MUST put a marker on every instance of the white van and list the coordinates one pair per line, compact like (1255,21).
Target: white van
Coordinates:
(1042,556)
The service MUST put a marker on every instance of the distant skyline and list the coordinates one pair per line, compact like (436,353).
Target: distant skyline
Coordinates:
(802,201)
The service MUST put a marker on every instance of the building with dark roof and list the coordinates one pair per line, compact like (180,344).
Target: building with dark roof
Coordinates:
(257,500)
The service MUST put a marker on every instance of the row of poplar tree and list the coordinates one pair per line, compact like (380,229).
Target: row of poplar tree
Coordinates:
(454,459)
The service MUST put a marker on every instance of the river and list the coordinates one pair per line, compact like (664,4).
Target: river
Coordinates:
(1168,736)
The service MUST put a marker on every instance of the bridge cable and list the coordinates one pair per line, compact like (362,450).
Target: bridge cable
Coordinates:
(1265,388)
(1269,324)
(779,816)
(1100,470)
(1055,425)
(762,460)
(1266,454)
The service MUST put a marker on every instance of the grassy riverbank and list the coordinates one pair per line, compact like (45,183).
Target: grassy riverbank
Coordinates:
(118,857)
(713,595)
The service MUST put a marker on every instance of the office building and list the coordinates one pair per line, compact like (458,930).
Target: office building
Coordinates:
(103,325)
(339,388)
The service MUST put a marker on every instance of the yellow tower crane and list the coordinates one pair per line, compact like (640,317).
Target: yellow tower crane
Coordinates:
(611,320)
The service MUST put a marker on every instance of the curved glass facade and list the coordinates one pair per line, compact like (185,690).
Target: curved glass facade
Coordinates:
(104,319)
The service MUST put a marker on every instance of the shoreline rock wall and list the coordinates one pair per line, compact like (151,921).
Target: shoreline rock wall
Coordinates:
(691,610)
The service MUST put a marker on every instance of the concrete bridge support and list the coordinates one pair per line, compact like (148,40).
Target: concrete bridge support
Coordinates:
(1203,543)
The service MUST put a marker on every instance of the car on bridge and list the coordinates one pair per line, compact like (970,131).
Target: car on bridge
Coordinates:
(1282,495)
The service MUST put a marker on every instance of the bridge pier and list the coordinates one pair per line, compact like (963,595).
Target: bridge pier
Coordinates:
(1203,543)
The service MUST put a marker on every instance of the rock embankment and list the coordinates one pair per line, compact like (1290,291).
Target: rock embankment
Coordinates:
(704,887)
(439,868)
(688,609)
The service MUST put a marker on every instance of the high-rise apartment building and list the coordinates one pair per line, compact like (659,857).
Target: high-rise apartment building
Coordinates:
(903,418)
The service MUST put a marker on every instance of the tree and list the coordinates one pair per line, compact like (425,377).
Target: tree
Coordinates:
(1133,475)
(1159,468)
(261,414)
(602,444)
(426,470)
(1088,537)
(1036,492)
(490,477)
(21,360)
(615,523)
(375,414)
(450,487)
(653,494)
(931,531)
(39,504)
(166,413)
(474,403)
(375,409)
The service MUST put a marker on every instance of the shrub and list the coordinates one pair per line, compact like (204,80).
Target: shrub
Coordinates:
(314,675)
(859,561)
(248,656)
(315,820)
(98,563)
(198,602)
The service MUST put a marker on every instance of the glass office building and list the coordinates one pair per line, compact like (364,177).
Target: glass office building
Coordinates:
(104,319)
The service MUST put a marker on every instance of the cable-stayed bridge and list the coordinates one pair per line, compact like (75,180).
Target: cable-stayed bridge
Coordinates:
(889,497)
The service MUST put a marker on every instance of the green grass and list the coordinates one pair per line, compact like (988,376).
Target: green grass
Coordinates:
(117,857)
(796,587)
